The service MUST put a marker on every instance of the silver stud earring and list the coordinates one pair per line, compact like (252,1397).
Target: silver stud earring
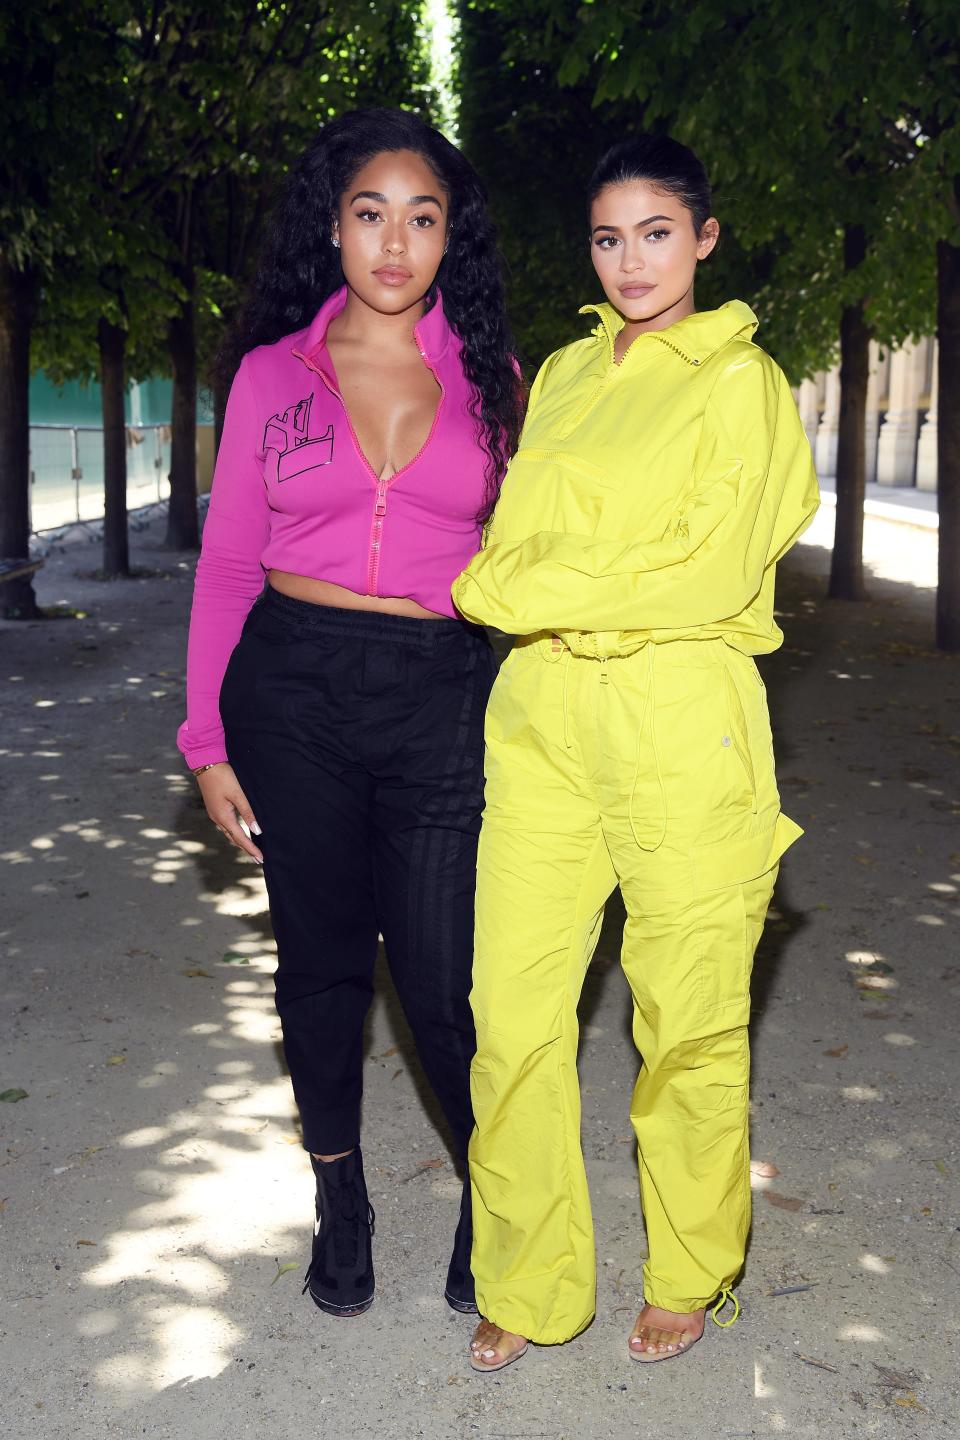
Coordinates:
(335,241)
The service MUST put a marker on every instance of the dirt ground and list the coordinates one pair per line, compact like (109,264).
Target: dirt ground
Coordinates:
(156,1205)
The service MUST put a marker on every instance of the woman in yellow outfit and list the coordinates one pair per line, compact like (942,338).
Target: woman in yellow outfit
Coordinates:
(661,474)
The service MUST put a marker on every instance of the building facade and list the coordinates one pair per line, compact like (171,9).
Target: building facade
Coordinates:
(901,416)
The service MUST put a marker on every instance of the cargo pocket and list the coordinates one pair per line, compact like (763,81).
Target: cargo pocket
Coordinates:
(735,861)
(564,491)
(720,872)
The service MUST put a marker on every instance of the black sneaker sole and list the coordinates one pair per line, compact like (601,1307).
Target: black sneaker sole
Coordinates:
(342,1312)
(462,1307)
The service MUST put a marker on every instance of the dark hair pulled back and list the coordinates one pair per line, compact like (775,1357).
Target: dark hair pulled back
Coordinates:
(661,162)
(299,267)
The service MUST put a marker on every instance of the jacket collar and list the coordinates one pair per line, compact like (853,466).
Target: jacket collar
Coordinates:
(433,332)
(694,338)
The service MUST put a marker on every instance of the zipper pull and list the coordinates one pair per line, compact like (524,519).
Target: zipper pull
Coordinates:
(380,509)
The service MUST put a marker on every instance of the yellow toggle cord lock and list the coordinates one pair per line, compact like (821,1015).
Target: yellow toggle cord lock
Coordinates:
(725,1295)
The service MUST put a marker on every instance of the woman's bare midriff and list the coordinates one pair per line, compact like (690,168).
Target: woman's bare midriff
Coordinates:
(324,592)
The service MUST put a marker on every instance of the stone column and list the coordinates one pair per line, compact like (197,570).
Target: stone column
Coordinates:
(873,412)
(808,403)
(826,451)
(897,450)
(927,446)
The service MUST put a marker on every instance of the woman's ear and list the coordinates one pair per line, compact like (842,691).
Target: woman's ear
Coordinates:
(709,236)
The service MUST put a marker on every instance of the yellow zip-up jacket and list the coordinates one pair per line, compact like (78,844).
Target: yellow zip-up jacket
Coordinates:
(649,500)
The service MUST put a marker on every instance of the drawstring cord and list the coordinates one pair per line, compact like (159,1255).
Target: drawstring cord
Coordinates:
(725,1294)
(565,656)
(649,714)
(559,653)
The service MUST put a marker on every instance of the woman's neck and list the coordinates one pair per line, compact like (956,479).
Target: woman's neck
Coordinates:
(360,324)
(666,318)
(633,329)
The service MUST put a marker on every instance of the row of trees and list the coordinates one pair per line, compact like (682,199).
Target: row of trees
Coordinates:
(832,133)
(141,142)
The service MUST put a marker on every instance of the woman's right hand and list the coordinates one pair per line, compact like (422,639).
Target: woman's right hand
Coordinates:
(227,806)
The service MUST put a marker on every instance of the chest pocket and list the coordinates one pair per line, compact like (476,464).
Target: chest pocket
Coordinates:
(289,448)
(551,490)
(583,475)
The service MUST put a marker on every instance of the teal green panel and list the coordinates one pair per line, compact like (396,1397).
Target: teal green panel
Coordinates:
(72,404)
(154,403)
(148,403)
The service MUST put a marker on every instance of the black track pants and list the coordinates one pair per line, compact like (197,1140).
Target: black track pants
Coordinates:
(358,739)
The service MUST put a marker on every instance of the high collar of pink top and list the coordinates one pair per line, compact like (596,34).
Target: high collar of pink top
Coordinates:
(292,490)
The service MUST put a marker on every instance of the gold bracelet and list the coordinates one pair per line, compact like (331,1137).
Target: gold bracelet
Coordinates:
(202,769)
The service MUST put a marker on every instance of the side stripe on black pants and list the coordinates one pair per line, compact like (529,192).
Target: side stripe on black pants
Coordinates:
(358,740)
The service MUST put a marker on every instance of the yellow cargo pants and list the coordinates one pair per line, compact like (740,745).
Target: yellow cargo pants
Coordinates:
(653,771)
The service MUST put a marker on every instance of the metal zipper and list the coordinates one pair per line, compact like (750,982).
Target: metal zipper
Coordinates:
(382,486)
(675,348)
(376,532)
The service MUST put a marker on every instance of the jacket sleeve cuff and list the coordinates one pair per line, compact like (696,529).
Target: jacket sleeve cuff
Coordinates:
(212,752)
(460,593)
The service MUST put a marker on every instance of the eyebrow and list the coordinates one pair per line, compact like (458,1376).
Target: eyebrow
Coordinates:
(639,225)
(382,199)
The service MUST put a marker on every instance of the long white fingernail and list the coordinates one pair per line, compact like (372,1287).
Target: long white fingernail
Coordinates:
(255,828)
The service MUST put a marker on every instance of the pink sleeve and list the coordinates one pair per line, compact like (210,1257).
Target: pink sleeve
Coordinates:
(229,575)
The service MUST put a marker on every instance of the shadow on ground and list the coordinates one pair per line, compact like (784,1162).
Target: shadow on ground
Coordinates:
(154,1197)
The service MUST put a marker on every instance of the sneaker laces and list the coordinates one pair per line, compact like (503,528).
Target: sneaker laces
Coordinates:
(345,1216)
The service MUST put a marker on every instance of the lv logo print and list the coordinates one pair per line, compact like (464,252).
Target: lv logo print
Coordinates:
(288,446)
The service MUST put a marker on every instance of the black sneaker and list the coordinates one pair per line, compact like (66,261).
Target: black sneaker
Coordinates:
(340,1275)
(458,1291)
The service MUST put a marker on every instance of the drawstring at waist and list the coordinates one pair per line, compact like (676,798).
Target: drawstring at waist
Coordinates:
(651,822)
(649,717)
(560,651)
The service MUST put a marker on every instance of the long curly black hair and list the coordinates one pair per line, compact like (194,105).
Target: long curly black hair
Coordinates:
(299,267)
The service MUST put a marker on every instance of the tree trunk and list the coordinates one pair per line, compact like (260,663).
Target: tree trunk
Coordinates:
(116,549)
(182,530)
(948,446)
(846,563)
(18,294)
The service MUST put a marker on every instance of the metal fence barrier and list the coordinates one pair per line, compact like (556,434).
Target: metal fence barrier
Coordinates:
(66,472)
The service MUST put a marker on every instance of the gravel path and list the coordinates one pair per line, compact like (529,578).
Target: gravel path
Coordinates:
(155,1203)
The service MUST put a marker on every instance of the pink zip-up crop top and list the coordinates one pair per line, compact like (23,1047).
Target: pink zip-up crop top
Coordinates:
(293,491)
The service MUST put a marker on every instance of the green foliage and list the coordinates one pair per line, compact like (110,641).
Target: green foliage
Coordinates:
(535,145)
(140,142)
(49,50)
(376,54)
(810,121)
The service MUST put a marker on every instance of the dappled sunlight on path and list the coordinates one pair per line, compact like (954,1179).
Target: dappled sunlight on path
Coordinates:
(155,1200)
(906,554)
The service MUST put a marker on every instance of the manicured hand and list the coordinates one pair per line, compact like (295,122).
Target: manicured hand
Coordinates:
(227,806)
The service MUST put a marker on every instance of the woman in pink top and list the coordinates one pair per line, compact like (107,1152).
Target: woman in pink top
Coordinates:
(337,712)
